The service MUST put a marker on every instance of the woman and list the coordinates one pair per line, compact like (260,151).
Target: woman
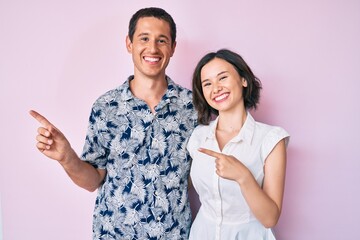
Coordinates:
(238,167)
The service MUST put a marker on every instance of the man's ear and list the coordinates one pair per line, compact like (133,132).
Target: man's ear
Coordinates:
(128,44)
(173,49)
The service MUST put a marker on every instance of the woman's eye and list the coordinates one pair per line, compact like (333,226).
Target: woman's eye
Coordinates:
(223,77)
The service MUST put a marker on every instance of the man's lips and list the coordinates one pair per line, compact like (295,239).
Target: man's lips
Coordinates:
(152,59)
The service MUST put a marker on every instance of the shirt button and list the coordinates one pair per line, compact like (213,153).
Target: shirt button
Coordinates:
(158,218)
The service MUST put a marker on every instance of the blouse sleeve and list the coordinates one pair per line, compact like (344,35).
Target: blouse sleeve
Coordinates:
(191,143)
(275,135)
(194,140)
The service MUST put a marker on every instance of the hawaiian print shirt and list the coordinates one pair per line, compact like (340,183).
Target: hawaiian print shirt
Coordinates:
(144,194)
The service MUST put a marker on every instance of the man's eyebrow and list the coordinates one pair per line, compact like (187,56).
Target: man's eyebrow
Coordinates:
(164,36)
(142,34)
(147,34)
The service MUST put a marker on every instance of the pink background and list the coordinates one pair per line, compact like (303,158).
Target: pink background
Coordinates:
(58,56)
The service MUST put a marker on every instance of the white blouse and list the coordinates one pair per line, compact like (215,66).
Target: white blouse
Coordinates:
(224,213)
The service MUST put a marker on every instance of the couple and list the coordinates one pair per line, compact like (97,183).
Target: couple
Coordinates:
(140,145)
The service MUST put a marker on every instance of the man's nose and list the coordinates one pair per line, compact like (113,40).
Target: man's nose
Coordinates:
(153,46)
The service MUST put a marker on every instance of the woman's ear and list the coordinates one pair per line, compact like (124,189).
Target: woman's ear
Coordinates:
(244,82)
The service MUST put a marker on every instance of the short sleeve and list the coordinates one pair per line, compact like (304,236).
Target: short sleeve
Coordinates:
(194,140)
(94,151)
(191,144)
(275,135)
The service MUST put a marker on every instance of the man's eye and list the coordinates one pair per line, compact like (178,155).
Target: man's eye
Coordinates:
(163,41)
(223,77)
(144,39)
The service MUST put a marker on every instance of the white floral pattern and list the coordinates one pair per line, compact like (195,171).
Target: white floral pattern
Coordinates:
(144,194)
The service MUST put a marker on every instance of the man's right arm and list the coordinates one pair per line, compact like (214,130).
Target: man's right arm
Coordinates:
(53,144)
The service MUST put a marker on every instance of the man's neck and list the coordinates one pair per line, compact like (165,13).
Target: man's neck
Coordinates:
(150,90)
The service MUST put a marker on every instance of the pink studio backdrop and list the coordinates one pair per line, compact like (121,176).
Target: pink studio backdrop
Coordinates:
(58,56)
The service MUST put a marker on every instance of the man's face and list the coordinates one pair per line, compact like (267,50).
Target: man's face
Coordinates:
(151,47)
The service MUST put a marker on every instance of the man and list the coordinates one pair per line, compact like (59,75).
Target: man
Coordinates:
(135,150)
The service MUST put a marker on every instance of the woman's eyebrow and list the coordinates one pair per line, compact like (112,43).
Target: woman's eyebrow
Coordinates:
(220,73)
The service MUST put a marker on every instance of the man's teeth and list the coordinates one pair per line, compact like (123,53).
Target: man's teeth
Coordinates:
(151,59)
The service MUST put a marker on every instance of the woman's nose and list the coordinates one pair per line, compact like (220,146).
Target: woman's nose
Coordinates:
(216,88)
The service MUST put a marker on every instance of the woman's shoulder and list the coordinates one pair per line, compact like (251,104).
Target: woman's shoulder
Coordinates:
(199,134)
(202,129)
(267,128)
(270,133)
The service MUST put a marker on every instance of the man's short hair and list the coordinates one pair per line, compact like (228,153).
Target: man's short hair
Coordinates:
(152,12)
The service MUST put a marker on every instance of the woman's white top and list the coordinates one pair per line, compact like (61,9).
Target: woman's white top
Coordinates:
(224,213)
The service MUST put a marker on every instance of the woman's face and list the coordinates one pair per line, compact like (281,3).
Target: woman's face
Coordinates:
(222,85)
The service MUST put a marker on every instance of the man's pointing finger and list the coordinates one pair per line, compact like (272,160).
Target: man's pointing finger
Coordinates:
(40,118)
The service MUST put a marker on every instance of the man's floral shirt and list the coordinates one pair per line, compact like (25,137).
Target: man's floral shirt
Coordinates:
(144,194)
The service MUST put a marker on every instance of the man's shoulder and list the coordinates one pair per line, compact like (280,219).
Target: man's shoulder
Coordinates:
(109,95)
(113,95)
(177,86)
(182,94)
(181,88)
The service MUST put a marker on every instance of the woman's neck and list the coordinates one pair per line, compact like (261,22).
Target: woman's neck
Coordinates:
(231,122)
(228,126)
